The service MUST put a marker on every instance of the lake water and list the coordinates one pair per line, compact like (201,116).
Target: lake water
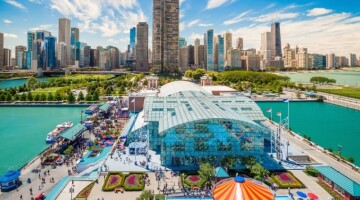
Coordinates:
(351,78)
(23,131)
(5,84)
(328,125)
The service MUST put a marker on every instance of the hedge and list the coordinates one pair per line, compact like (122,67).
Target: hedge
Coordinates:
(331,192)
(139,180)
(297,184)
(108,189)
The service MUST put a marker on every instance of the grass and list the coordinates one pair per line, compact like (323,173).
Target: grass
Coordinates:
(46,90)
(345,91)
(85,76)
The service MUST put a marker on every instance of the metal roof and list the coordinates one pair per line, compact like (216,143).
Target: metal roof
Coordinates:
(73,132)
(176,87)
(221,173)
(340,179)
(105,107)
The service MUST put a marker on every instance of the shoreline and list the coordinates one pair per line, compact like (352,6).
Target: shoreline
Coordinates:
(44,105)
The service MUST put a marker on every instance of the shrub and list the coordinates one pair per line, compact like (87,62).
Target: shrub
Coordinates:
(133,182)
(331,192)
(292,181)
(112,186)
(311,171)
(84,193)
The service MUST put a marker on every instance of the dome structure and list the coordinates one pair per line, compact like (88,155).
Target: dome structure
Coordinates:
(239,188)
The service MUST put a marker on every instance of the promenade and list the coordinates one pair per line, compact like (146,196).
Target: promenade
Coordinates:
(341,100)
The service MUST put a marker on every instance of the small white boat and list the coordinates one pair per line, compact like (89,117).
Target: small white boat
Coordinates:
(54,134)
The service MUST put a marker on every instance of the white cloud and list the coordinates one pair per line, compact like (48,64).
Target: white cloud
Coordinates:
(211,4)
(275,16)
(318,11)
(237,19)
(205,25)
(16,4)
(182,26)
(7,21)
(181,2)
(9,35)
(192,23)
(42,27)
(194,36)
(37,1)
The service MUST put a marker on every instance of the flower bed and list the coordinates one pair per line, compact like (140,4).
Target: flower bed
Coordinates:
(193,181)
(112,181)
(84,193)
(286,180)
(133,182)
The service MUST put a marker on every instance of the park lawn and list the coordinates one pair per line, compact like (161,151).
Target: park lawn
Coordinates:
(345,91)
(46,90)
(84,76)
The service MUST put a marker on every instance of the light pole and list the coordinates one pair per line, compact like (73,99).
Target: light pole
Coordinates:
(71,190)
(287,150)
(339,149)
(81,115)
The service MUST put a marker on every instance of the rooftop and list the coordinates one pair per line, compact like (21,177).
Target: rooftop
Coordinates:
(340,179)
(73,132)
(105,107)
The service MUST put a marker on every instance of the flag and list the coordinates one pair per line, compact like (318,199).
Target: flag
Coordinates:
(278,114)
(268,110)
(286,100)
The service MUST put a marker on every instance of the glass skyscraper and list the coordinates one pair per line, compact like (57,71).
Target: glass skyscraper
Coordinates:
(220,54)
(132,42)
(30,39)
(182,42)
(209,50)
(50,45)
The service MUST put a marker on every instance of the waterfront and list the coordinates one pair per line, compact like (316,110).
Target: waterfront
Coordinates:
(328,125)
(351,78)
(23,131)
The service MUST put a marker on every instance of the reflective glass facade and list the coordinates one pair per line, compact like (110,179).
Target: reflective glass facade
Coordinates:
(209,50)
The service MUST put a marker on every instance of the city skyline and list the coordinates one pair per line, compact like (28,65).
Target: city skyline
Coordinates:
(325,27)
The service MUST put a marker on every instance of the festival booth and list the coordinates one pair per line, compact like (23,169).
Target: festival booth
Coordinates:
(239,188)
(221,174)
(10,180)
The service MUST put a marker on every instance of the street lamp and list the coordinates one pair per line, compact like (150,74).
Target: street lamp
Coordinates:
(287,150)
(81,114)
(71,190)
(339,149)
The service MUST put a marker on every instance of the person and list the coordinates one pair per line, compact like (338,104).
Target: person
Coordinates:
(21,197)
(289,191)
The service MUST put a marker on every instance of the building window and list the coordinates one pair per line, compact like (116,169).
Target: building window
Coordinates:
(339,189)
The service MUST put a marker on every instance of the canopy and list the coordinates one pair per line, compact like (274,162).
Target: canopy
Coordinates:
(10,176)
(221,173)
(239,188)
(312,196)
(301,194)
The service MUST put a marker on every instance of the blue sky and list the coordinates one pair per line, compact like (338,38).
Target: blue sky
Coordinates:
(322,26)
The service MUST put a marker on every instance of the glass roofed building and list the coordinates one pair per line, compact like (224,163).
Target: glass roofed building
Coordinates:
(186,124)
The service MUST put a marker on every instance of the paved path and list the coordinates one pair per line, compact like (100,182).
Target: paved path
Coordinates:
(318,155)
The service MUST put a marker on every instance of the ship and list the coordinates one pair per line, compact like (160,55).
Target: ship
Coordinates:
(53,135)
(91,109)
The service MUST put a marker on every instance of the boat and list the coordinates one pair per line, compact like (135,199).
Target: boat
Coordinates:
(53,135)
(88,124)
(90,110)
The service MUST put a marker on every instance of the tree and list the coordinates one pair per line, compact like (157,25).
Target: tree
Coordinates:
(206,170)
(50,97)
(146,195)
(2,97)
(23,97)
(259,172)
(16,97)
(69,150)
(81,96)
(188,74)
(37,97)
(8,97)
(43,97)
(321,80)
(32,82)
(29,96)
(198,73)
(88,97)
(70,97)
(95,96)
(58,96)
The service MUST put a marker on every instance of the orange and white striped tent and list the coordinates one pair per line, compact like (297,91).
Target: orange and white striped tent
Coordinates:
(239,188)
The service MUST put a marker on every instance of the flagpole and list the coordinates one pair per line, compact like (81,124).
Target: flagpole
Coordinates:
(289,114)
(271,116)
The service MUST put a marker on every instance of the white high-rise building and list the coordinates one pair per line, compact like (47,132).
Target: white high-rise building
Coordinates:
(65,36)
(227,45)
(302,58)
(265,49)
(330,61)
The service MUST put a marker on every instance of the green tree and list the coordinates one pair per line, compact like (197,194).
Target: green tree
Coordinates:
(8,97)
(198,73)
(69,150)
(121,90)
(259,172)
(88,97)
(37,97)
(16,97)
(206,170)
(189,74)
(95,96)
(109,90)
(23,97)
(32,82)
(70,97)
(43,97)
(50,97)
(29,96)
(2,97)
(81,96)
(146,195)
(58,96)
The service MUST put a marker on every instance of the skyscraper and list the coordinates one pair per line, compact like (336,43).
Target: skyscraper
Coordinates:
(165,35)
(196,51)
(330,61)
(352,60)
(275,40)
(41,34)
(7,57)
(240,43)
(50,56)
(219,53)
(227,43)
(20,62)
(265,49)
(75,37)
(30,39)
(142,46)
(65,35)
(182,42)
(61,50)
(132,43)
(209,50)
(1,49)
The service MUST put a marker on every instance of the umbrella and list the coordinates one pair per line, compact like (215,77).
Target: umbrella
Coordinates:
(312,196)
(104,137)
(301,194)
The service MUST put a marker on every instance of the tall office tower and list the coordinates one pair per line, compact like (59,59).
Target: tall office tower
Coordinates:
(316,61)
(30,38)
(227,44)
(20,62)
(75,37)
(352,60)
(191,52)
(183,59)
(65,35)
(61,50)
(98,50)
(38,55)
(289,56)
(250,62)
(210,50)
(149,56)
(142,47)
(330,61)
(132,43)
(265,49)
(196,51)
(87,51)
(104,59)
(93,58)
(82,54)
(205,50)
(234,58)
(165,35)
(240,43)
(182,42)
(201,58)
(41,34)
(275,40)
(302,58)
(218,57)
(114,57)
(1,49)
(7,57)
(50,52)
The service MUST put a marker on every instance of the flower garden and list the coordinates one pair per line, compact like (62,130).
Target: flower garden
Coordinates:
(134,182)
(193,180)
(84,193)
(285,180)
(113,181)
